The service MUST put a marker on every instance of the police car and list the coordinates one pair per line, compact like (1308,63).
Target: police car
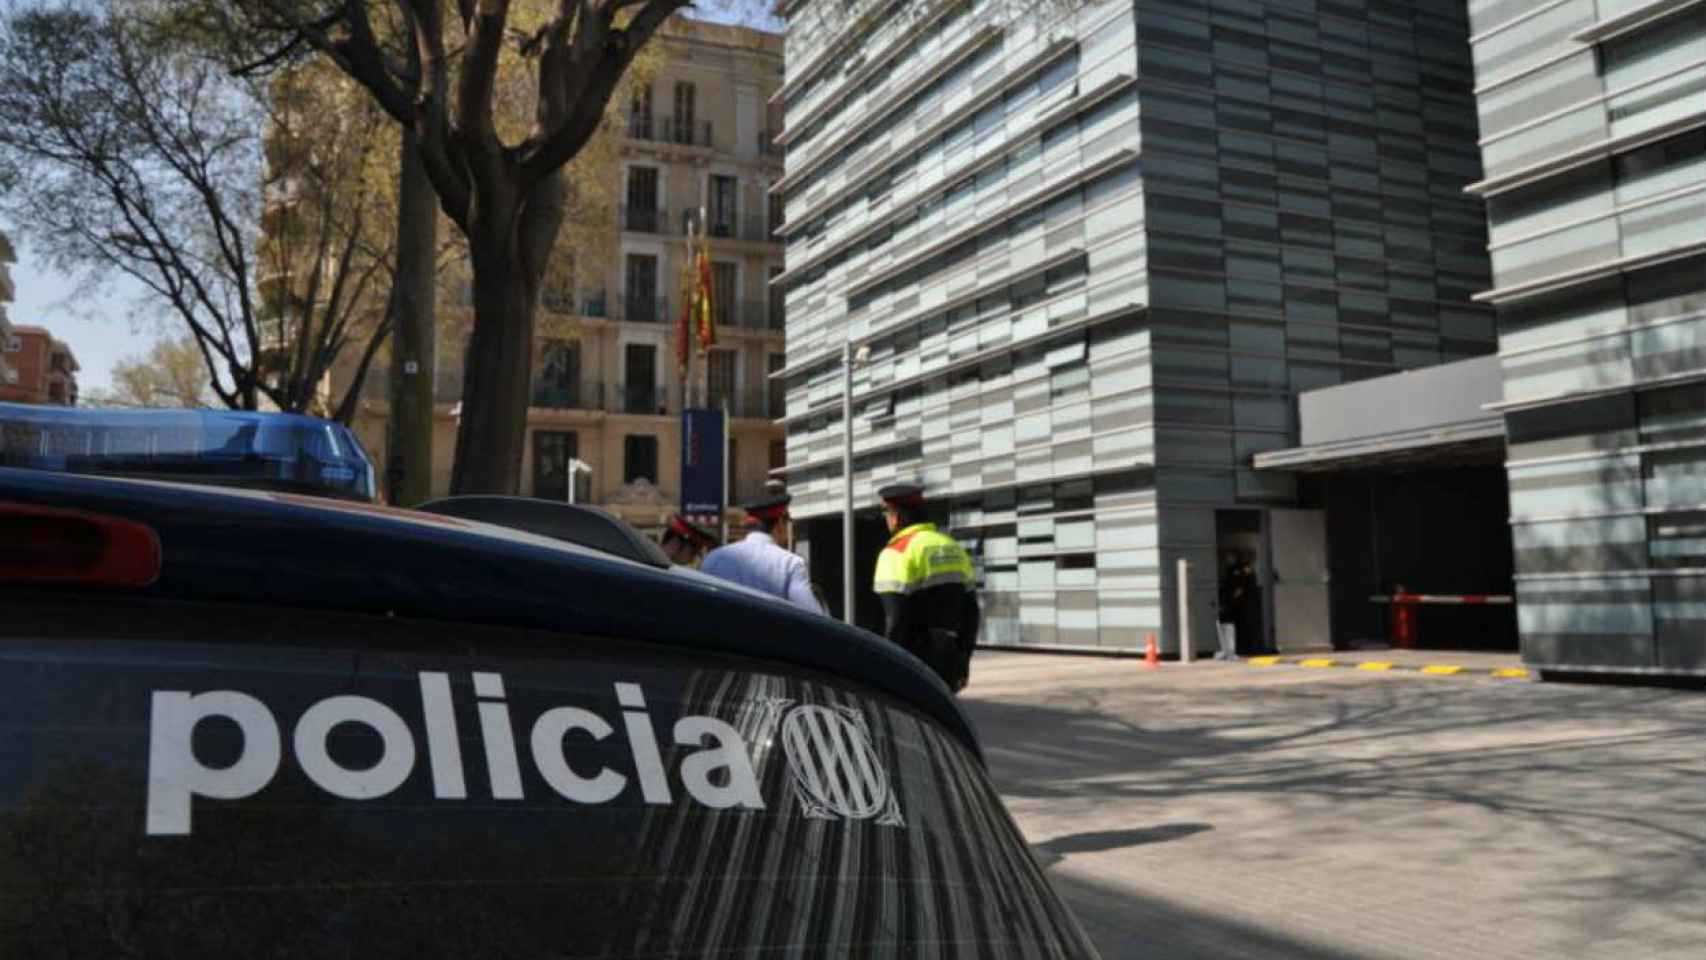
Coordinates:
(247,721)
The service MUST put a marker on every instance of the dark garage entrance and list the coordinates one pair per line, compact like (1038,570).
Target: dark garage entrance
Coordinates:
(1409,470)
(1432,531)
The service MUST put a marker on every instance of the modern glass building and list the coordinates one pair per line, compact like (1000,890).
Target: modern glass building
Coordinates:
(1083,268)
(1593,136)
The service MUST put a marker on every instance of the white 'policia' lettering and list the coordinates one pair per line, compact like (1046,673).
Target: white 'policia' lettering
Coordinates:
(176,776)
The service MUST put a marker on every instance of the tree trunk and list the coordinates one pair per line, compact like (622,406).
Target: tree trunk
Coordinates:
(509,254)
(413,346)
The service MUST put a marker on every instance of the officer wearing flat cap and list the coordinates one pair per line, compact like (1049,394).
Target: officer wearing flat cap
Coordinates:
(927,586)
(685,541)
(758,561)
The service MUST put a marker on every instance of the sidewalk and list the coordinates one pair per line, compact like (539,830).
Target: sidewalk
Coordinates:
(1215,810)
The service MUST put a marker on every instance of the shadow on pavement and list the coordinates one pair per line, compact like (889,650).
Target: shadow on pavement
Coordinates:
(1612,778)
(1096,840)
(1123,925)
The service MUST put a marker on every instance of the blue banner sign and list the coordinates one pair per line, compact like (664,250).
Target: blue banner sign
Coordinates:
(702,473)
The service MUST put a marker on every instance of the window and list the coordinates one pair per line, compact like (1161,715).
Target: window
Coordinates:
(776,388)
(722,292)
(778,453)
(640,393)
(778,212)
(559,374)
(552,451)
(723,206)
(685,95)
(778,315)
(641,289)
(720,378)
(639,458)
(640,114)
(14,344)
(642,212)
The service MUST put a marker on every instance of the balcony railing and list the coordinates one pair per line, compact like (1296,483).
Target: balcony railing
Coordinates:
(752,403)
(681,131)
(643,398)
(639,308)
(752,315)
(751,227)
(569,396)
(647,219)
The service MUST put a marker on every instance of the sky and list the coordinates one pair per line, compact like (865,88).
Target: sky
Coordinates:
(99,324)
(103,325)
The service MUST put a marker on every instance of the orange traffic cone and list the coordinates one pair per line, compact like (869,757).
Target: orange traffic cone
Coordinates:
(1151,654)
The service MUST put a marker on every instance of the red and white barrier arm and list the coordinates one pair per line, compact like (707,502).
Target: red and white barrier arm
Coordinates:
(1463,598)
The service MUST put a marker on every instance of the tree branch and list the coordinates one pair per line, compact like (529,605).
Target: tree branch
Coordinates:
(588,86)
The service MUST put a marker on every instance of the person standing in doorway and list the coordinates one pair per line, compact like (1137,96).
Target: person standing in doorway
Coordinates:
(928,588)
(1234,594)
(758,562)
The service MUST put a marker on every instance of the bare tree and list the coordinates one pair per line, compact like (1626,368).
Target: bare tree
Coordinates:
(121,150)
(507,196)
(171,374)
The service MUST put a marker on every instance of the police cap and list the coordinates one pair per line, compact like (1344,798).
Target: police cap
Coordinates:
(902,495)
(691,532)
(768,507)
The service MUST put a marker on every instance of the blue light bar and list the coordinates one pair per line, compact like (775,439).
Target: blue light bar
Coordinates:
(266,451)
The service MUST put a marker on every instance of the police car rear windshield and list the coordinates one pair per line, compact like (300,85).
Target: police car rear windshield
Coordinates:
(269,451)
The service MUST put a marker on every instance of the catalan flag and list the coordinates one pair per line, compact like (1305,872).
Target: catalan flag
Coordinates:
(707,329)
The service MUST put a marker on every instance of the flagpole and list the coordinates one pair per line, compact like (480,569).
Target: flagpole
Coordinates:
(687,335)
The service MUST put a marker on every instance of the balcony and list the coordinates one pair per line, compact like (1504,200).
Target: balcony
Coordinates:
(569,396)
(751,404)
(767,145)
(650,399)
(682,131)
(726,225)
(642,219)
(640,308)
(751,315)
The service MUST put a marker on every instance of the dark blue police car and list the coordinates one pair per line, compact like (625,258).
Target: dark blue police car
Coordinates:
(254,722)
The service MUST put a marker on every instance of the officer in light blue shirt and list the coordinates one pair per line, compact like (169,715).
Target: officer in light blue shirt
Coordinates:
(759,562)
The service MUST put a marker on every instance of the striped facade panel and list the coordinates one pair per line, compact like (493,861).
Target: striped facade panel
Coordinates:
(1303,167)
(982,238)
(1594,139)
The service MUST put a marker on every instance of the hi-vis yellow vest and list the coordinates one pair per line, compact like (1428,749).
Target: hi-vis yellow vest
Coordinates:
(920,556)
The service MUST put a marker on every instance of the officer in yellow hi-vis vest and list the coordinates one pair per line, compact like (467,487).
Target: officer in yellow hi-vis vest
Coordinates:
(928,587)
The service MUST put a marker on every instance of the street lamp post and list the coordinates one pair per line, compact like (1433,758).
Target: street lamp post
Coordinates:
(847,480)
(577,466)
(850,360)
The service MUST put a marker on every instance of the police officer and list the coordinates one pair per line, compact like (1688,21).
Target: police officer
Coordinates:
(758,562)
(685,542)
(928,588)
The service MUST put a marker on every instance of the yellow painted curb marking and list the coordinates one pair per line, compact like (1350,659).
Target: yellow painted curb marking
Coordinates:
(1263,661)
(1374,665)
(1511,672)
(1315,662)
(1442,670)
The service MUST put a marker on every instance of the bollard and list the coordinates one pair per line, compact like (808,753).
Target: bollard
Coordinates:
(1185,651)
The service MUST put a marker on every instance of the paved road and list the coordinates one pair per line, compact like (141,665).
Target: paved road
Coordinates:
(1221,811)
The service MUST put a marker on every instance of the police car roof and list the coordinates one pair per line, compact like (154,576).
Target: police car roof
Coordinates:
(224,545)
(49,415)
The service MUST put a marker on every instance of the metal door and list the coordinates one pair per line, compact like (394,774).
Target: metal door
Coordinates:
(1297,555)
